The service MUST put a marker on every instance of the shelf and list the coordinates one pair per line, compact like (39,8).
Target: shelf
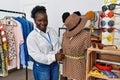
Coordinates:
(103,77)
(109,53)
(109,62)
(92,58)
(112,51)
(93,28)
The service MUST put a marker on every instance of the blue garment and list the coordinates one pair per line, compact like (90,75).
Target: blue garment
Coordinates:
(27,27)
(46,72)
(22,55)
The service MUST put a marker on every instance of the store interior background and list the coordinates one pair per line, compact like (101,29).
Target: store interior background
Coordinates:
(55,9)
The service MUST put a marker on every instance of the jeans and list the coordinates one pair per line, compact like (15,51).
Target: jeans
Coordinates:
(46,72)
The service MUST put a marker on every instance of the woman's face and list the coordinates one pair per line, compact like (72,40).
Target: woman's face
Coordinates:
(41,21)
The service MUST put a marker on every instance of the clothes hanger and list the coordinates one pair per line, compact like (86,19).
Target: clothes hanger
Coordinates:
(9,21)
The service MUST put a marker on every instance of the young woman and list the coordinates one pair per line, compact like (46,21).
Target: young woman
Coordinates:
(43,46)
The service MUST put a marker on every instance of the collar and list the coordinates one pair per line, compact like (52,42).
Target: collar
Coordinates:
(38,30)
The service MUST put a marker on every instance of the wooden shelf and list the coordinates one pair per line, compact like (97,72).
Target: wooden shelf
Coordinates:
(108,62)
(112,51)
(93,28)
(103,77)
(92,59)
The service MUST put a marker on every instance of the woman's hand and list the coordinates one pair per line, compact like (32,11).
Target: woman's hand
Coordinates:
(59,56)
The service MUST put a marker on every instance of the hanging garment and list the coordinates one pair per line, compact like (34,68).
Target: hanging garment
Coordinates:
(27,27)
(18,41)
(8,26)
(3,52)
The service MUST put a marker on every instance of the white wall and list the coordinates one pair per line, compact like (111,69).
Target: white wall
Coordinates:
(10,5)
(55,8)
(13,5)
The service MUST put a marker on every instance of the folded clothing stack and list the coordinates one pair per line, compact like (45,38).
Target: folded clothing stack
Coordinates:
(109,74)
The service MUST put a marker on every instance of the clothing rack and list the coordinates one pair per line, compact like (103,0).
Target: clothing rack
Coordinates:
(24,14)
(13,12)
(61,28)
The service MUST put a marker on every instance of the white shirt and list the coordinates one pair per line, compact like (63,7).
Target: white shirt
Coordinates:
(40,49)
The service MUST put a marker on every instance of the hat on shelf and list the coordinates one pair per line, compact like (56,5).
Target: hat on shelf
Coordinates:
(75,23)
(90,15)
